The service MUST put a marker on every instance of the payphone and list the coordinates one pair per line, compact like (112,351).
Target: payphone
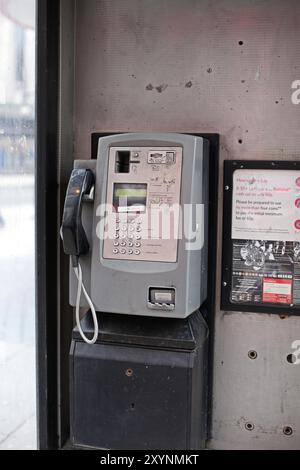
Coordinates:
(135,225)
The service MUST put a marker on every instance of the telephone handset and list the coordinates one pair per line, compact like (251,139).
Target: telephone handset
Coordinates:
(75,242)
(74,238)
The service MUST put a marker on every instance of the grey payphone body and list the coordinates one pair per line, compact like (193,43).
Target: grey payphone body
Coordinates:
(133,266)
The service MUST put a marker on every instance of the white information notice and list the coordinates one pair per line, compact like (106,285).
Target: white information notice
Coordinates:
(266,205)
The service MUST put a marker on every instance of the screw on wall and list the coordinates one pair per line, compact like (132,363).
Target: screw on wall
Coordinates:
(291,358)
(252,355)
(249,426)
(287,430)
(129,372)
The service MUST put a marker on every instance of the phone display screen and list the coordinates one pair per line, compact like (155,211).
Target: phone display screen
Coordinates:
(130,197)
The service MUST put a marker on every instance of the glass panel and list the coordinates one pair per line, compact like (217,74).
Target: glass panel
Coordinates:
(17,292)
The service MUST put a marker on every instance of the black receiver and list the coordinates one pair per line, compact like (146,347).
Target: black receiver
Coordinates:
(74,238)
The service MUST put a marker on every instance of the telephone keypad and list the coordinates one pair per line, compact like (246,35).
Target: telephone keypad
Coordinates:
(129,235)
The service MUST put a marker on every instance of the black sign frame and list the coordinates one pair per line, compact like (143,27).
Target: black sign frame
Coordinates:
(230,166)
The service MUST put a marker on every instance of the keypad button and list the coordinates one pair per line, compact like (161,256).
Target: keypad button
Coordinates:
(137,252)
(123,252)
(137,245)
(123,228)
(117,228)
(123,235)
(116,243)
(116,235)
(131,228)
(139,229)
(123,243)
(130,252)
(130,244)
(130,236)
(115,251)
(138,237)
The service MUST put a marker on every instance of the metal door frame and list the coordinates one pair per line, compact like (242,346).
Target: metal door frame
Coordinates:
(47,32)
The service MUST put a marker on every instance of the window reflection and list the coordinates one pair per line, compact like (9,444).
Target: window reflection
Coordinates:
(17,296)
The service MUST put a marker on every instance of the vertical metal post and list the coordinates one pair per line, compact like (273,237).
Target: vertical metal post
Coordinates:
(46,220)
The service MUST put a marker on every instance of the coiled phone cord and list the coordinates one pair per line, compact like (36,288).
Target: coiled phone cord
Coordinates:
(81,288)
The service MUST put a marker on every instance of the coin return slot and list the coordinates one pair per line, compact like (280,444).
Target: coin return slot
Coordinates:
(161,299)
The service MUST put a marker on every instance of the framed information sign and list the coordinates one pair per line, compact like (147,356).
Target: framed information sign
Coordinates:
(261,237)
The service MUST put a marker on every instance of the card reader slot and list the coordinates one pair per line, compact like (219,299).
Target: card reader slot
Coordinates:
(122,161)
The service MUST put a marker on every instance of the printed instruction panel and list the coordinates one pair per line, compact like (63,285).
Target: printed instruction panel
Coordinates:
(266,237)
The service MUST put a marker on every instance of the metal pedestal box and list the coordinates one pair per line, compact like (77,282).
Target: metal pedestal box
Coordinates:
(142,386)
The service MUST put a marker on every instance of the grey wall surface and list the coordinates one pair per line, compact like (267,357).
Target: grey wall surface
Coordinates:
(222,66)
